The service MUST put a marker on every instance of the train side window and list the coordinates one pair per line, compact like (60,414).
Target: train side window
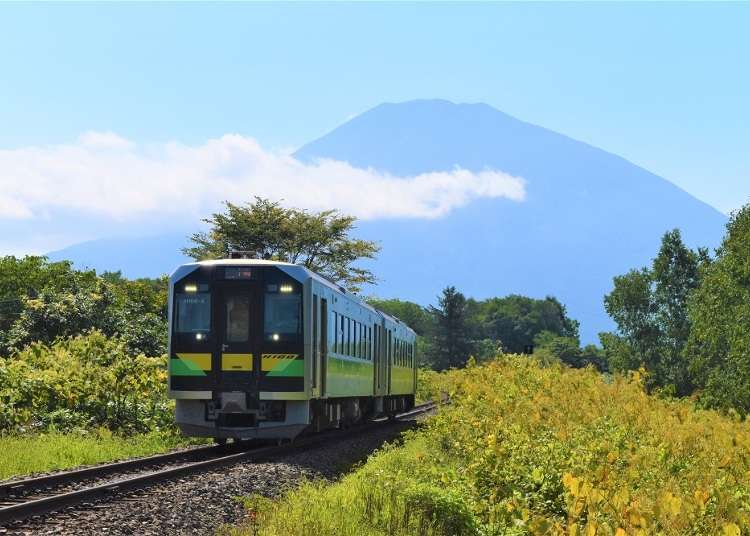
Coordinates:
(359,341)
(344,336)
(349,337)
(335,331)
(356,338)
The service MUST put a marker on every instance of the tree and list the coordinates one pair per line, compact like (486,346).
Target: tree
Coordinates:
(45,301)
(514,321)
(719,312)
(650,308)
(26,278)
(414,315)
(549,347)
(450,345)
(319,241)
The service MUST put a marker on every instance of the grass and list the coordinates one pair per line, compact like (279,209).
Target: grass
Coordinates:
(526,449)
(378,499)
(27,454)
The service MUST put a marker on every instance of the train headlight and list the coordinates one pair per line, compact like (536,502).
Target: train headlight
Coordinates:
(286,288)
(199,336)
(191,287)
(275,336)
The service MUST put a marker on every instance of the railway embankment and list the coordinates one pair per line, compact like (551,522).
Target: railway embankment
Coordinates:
(193,492)
(527,449)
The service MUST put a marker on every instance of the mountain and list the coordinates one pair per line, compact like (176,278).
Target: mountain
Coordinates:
(588,214)
(134,256)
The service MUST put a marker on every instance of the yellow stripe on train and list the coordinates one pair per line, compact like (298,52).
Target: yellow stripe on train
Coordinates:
(196,361)
(236,362)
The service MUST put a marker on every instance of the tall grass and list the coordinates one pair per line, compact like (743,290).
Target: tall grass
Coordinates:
(526,449)
(25,454)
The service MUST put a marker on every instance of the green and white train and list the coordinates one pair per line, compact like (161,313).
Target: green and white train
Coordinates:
(263,349)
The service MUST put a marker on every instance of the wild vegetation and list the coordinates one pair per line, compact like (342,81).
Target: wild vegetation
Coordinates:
(532,449)
(42,301)
(82,367)
(686,320)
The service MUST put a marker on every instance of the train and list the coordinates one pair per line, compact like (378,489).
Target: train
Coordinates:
(261,349)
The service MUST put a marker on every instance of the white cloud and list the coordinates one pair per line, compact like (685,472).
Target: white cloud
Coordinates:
(106,175)
(105,140)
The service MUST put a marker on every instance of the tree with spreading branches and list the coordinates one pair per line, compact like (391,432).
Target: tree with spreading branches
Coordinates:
(265,229)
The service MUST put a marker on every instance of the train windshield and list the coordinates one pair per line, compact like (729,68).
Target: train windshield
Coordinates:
(282,315)
(193,312)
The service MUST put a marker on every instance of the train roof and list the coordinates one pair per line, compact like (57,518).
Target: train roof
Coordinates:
(300,273)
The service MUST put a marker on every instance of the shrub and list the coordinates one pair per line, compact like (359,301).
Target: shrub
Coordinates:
(525,449)
(84,381)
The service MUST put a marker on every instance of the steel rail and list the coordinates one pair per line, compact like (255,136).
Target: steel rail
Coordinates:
(44,505)
(15,487)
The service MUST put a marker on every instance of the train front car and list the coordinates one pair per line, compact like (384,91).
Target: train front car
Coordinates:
(262,349)
(236,349)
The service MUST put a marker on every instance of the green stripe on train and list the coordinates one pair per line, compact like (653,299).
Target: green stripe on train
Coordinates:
(289,367)
(184,367)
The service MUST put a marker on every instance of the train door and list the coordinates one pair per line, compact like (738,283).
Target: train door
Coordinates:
(389,360)
(323,345)
(315,354)
(376,360)
(236,358)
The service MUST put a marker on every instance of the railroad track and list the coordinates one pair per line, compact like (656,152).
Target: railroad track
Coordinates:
(27,498)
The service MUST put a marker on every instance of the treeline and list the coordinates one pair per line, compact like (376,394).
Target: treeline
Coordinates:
(685,320)
(460,328)
(80,350)
(42,301)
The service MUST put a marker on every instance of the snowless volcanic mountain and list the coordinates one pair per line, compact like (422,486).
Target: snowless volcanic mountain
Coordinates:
(588,215)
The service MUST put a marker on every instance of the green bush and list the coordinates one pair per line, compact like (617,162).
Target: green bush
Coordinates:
(85,381)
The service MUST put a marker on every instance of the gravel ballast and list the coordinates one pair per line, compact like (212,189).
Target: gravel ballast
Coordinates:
(200,503)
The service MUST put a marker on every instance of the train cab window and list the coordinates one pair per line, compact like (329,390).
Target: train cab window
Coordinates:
(282,316)
(193,312)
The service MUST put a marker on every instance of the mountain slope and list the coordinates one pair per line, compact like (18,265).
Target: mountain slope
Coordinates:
(147,256)
(588,216)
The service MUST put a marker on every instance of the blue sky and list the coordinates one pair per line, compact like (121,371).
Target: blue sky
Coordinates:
(667,86)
